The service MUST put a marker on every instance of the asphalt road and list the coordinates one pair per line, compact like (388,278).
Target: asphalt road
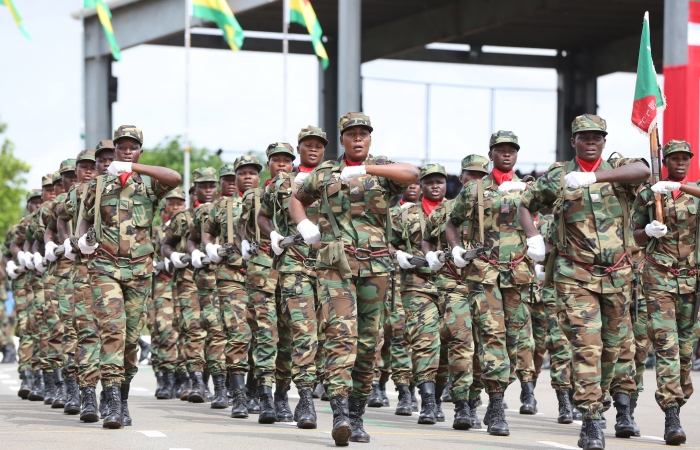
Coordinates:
(173,424)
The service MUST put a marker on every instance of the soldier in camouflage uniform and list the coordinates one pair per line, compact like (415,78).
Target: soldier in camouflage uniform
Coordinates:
(353,265)
(590,199)
(500,280)
(121,206)
(670,281)
(6,343)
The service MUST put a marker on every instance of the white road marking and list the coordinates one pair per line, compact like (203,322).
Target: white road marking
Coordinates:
(139,389)
(557,445)
(8,381)
(153,433)
(289,424)
(178,449)
(4,375)
(656,438)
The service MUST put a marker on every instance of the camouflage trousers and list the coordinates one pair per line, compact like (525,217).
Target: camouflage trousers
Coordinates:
(66,308)
(38,326)
(120,309)
(642,344)
(598,324)
(350,316)
(53,323)
(210,318)
(477,385)
(233,304)
(151,327)
(165,326)
(5,337)
(267,337)
(395,353)
(423,325)
(25,349)
(456,335)
(558,341)
(519,339)
(538,328)
(190,326)
(674,332)
(622,378)
(89,343)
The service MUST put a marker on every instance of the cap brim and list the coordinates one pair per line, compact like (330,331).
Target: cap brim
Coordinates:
(256,165)
(680,151)
(206,180)
(286,152)
(517,146)
(605,133)
(357,125)
(324,140)
(114,141)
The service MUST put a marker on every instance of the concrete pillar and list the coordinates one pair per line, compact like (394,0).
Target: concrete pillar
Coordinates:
(98,105)
(349,45)
(576,94)
(328,99)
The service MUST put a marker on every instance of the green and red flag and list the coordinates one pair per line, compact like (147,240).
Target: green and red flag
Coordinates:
(301,12)
(220,13)
(649,100)
(15,15)
(105,16)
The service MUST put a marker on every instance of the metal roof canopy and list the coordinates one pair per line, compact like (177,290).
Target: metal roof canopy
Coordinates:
(592,39)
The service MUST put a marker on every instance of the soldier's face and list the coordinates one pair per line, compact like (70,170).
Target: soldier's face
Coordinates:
(206,191)
(589,145)
(58,189)
(434,187)
(677,165)
(86,171)
(68,179)
(247,177)
(280,163)
(356,142)
(311,151)
(47,193)
(411,193)
(228,185)
(173,205)
(33,204)
(504,156)
(103,161)
(469,175)
(127,149)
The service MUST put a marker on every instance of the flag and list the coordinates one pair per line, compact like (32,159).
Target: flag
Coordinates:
(219,12)
(105,16)
(649,100)
(16,16)
(301,12)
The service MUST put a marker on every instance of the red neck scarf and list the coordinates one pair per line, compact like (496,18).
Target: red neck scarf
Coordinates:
(678,192)
(402,201)
(240,194)
(350,162)
(268,182)
(587,166)
(429,205)
(304,169)
(501,176)
(197,203)
(124,176)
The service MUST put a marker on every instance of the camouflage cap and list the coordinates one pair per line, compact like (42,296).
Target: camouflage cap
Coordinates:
(47,180)
(205,174)
(104,145)
(280,147)
(312,131)
(56,177)
(176,193)
(227,169)
(432,168)
(353,119)
(67,165)
(85,155)
(674,146)
(128,131)
(476,163)
(34,193)
(247,160)
(504,137)
(589,122)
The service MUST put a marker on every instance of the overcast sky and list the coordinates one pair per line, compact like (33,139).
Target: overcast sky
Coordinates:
(237,99)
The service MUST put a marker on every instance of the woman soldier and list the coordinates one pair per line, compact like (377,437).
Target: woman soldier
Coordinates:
(353,265)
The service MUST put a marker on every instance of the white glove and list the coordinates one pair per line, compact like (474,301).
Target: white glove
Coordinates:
(309,231)
(433,259)
(457,253)
(39,262)
(511,186)
(84,247)
(29,260)
(539,271)
(402,258)
(245,250)
(535,245)
(212,252)
(577,180)
(352,172)
(49,251)
(197,259)
(299,179)
(656,229)
(11,269)
(118,167)
(68,250)
(20,259)
(175,258)
(167,265)
(406,205)
(665,187)
(275,239)
(155,267)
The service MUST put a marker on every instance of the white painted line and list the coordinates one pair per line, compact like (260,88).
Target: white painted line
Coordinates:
(178,449)
(138,389)
(153,433)
(8,381)
(289,424)
(3,375)
(655,438)
(478,429)
(577,422)
(557,445)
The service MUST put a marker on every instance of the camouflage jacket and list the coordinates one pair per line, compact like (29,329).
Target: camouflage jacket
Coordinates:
(178,230)
(593,225)
(20,235)
(126,215)
(360,209)
(68,211)
(157,235)
(503,235)
(206,276)
(275,204)
(676,249)
(32,227)
(258,268)
(449,276)
(63,266)
(407,235)
(232,267)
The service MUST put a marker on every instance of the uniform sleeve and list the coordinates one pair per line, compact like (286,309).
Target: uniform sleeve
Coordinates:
(396,230)
(393,187)
(211,225)
(640,207)
(310,189)
(19,235)
(173,230)
(160,189)
(431,224)
(89,202)
(630,188)
(267,206)
(543,194)
(463,207)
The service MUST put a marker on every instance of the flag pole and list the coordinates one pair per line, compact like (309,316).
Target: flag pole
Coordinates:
(83,138)
(188,35)
(285,51)
(656,171)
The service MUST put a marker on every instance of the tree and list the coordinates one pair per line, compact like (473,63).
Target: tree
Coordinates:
(12,192)
(170,153)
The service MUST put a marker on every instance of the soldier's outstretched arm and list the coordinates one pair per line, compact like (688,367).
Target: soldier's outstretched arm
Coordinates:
(297,210)
(526,220)
(265,224)
(636,172)
(84,225)
(452,234)
(166,176)
(427,247)
(402,173)
(691,189)
(63,231)
(640,236)
(208,238)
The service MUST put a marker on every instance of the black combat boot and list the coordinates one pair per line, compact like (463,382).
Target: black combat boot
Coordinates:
(575,413)
(673,433)
(427,404)
(49,387)
(88,405)
(208,395)
(126,418)
(113,396)
(382,389)
(186,386)
(283,412)
(305,413)
(9,355)
(145,350)
(26,387)
(103,405)
(404,408)
(59,400)
(318,390)
(177,386)
(251,390)
(37,392)
(623,420)
(341,421)
(197,394)
(565,414)
(72,405)
(462,419)
(497,425)
(473,416)
(592,437)
(414,399)
(356,411)
(159,384)
(375,397)
(446,397)
(527,398)
(166,392)
(219,401)
(267,406)
(439,415)
(239,410)
(633,405)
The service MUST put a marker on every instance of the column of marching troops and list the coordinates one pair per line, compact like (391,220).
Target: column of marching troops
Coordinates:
(324,278)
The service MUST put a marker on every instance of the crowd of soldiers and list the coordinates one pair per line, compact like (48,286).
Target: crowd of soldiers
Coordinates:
(338,275)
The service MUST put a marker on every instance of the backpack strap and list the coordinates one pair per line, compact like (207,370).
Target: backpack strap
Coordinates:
(229,220)
(82,206)
(480,206)
(561,231)
(256,206)
(97,225)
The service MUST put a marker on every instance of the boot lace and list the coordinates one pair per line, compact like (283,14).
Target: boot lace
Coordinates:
(594,430)
(672,419)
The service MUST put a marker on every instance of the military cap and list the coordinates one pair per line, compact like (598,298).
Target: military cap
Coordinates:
(176,193)
(432,168)
(34,193)
(504,137)
(312,131)
(589,122)
(247,160)
(104,145)
(227,169)
(280,147)
(205,174)
(674,146)
(67,165)
(128,131)
(353,119)
(85,155)
(476,163)
(47,180)
(196,173)
(56,177)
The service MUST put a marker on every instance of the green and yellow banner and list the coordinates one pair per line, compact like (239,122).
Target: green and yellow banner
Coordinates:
(301,12)
(220,13)
(15,15)
(105,16)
